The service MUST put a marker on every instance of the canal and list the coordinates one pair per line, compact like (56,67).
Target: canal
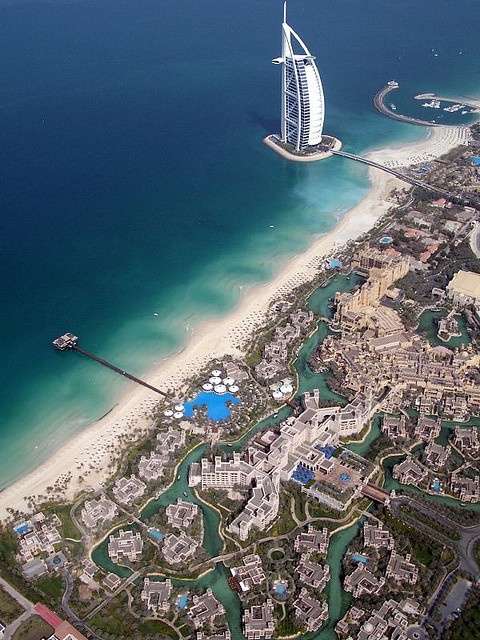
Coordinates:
(217,579)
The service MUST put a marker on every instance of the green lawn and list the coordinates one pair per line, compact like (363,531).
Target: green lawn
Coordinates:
(33,629)
(9,608)
(152,627)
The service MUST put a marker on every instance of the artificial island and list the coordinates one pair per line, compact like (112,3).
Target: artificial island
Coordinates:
(303,103)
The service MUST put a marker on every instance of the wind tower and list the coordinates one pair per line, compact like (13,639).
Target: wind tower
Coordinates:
(303,102)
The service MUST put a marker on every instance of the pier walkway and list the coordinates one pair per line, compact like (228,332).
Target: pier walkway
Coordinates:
(113,367)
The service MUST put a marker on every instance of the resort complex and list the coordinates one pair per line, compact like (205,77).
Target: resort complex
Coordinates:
(310,472)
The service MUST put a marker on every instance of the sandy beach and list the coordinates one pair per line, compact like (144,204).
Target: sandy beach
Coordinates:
(89,453)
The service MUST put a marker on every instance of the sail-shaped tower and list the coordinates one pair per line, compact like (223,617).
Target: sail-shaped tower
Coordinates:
(303,102)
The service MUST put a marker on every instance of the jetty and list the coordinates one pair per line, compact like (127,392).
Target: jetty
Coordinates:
(69,342)
(379,104)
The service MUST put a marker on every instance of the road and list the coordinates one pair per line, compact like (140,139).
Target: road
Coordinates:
(23,602)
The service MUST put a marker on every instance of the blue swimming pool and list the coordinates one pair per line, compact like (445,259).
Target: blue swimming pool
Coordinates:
(156,534)
(216,404)
(182,601)
(358,557)
(22,529)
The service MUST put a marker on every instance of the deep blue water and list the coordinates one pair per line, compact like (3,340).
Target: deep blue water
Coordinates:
(134,181)
(217,405)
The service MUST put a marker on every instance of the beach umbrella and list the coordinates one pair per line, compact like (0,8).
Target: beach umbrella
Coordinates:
(207,386)
(228,381)
(220,388)
(215,380)
(168,413)
(216,373)
(179,407)
(178,414)
(233,388)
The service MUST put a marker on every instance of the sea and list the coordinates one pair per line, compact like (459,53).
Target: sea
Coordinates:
(136,196)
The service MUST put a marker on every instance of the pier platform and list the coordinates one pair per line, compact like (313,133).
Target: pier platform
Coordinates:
(321,152)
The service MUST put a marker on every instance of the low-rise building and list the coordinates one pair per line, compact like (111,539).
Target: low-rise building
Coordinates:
(258,621)
(34,569)
(171,441)
(112,582)
(377,537)
(312,541)
(156,595)
(313,574)
(309,611)
(181,514)
(362,581)
(464,288)
(394,427)
(409,472)
(205,608)
(126,546)
(427,429)
(466,487)
(178,548)
(436,455)
(152,468)
(251,574)
(99,511)
(128,490)
(401,569)
(466,439)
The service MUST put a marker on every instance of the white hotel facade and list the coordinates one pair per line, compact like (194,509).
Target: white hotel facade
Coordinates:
(303,102)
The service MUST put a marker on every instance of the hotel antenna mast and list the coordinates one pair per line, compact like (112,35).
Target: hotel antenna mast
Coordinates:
(303,101)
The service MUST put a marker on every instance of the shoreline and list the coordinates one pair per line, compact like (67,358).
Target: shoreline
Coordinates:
(94,447)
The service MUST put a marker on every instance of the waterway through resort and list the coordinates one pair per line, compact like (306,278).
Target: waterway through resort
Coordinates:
(217,578)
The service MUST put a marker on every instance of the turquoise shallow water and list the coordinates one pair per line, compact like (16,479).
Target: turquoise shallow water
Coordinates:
(134,180)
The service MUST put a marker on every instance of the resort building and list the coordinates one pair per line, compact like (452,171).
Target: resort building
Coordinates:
(112,582)
(128,490)
(400,569)
(156,595)
(127,546)
(467,440)
(205,609)
(312,541)
(99,511)
(377,537)
(409,472)
(427,429)
(464,288)
(303,103)
(313,574)
(181,514)
(41,538)
(171,441)
(361,582)
(251,574)
(436,456)
(310,612)
(258,621)
(152,468)
(178,548)
(394,427)
(465,483)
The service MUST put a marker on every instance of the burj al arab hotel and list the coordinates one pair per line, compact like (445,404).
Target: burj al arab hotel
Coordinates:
(303,101)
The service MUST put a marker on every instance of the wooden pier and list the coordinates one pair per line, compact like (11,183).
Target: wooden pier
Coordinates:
(69,342)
